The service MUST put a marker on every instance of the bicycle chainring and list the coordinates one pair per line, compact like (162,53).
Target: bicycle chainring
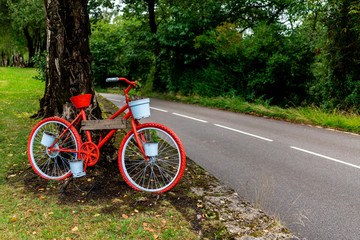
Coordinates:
(90,153)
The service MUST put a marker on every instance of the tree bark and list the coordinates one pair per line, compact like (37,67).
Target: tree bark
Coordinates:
(30,45)
(151,10)
(69,59)
(156,80)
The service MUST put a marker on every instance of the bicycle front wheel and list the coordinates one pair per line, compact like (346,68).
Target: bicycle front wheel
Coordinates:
(48,164)
(158,173)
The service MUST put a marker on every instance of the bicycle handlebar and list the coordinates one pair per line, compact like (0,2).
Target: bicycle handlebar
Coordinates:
(127,90)
(115,79)
(112,79)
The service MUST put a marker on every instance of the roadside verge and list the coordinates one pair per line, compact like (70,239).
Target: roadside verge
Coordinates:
(219,212)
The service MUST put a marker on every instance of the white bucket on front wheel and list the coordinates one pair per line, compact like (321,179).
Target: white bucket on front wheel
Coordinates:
(140,108)
(77,168)
(48,139)
(151,149)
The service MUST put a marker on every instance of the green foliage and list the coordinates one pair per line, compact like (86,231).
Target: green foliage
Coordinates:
(101,10)
(154,136)
(117,50)
(342,86)
(266,64)
(39,61)
(283,52)
(28,24)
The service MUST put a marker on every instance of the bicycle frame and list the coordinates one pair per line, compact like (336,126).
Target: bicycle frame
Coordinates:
(82,117)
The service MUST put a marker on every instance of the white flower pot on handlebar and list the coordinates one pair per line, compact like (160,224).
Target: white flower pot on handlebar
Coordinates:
(140,108)
(151,149)
(48,139)
(77,168)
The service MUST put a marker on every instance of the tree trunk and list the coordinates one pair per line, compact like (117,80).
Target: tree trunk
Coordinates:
(151,10)
(17,60)
(156,82)
(30,45)
(69,59)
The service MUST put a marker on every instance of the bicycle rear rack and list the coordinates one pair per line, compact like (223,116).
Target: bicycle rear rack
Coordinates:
(103,124)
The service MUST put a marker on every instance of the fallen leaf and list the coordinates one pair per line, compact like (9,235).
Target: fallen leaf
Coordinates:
(42,197)
(75,229)
(41,189)
(156,236)
(125,216)
(136,211)
(97,214)
(144,224)
(13,219)
(149,229)
(51,213)
(10,155)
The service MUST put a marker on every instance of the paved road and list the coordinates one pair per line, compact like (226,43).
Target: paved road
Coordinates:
(308,177)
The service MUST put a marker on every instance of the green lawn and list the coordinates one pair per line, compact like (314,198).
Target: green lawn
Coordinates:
(33,208)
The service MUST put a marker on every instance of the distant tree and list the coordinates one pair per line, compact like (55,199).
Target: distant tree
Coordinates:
(342,20)
(5,42)
(101,10)
(28,22)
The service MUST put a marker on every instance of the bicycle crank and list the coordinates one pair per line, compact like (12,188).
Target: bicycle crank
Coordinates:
(90,153)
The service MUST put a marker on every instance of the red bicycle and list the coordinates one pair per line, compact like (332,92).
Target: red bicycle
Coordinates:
(151,156)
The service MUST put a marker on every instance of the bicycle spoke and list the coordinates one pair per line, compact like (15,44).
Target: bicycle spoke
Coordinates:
(133,166)
(155,173)
(164,174)
(54,164)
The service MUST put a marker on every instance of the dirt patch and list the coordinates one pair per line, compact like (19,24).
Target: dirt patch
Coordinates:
(214,210)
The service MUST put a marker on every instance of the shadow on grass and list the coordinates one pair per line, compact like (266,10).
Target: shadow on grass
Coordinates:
(104,186)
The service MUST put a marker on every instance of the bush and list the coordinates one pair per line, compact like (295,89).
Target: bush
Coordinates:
(39,61)
(268,65)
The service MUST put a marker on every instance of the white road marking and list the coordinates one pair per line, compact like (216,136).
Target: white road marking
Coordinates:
(192,118)
(245,133)
(326,157)
(158,109)
(112,99)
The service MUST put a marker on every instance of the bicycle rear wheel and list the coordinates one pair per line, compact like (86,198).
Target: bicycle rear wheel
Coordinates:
(161,172)
(53,165)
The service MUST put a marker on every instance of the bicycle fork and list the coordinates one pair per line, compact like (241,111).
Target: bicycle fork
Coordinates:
(137,138)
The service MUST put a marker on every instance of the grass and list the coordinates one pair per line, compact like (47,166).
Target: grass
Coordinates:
(33,208)
(307,115)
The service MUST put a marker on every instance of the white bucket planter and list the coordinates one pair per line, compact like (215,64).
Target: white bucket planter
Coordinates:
(77,168)
(151,149)
(48,139)
(140,108)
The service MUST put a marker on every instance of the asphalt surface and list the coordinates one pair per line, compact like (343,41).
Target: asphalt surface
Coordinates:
(305,176)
